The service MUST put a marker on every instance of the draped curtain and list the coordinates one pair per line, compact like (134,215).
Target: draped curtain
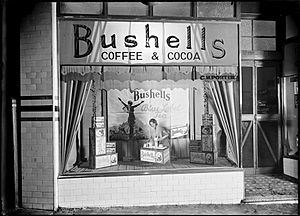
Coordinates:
(75,87)
(225,102)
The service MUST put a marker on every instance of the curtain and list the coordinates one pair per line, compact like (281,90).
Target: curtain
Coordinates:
(76,83)
(226,103)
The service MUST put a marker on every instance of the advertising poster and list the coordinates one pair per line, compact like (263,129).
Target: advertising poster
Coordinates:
(168,106)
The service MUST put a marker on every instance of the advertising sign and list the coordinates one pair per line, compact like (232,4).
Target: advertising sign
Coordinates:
(138,43)
(168,106)
(148,155)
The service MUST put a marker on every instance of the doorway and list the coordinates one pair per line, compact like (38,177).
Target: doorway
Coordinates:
(260,126)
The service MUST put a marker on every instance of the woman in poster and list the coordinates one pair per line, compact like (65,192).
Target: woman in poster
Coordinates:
(158,134)
(131,118)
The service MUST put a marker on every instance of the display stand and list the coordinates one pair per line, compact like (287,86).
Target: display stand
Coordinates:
(101,153)
(128,151)
(203,151)
(155,154)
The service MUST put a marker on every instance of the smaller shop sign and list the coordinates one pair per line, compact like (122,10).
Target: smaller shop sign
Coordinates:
(177,132)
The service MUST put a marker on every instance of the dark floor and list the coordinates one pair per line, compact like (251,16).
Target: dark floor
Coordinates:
(141,165)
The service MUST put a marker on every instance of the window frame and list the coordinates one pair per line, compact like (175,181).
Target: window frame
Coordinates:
(193,14)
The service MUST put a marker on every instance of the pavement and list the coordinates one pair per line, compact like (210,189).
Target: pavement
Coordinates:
(270,188)
(264,195)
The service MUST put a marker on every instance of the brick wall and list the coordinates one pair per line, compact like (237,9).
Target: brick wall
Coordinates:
(36,94)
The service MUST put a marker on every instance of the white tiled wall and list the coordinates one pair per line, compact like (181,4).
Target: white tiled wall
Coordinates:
(290,167)
(166,189)
(36,80)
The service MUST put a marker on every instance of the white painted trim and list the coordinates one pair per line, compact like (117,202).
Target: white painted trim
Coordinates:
(55,103)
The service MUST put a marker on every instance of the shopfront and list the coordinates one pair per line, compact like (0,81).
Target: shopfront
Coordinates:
(154,103)
(149,103)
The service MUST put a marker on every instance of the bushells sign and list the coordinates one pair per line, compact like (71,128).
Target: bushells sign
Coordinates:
(136,43)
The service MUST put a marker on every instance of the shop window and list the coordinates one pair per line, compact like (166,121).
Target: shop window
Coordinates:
(175,9)
(127,8)
(107,110)
(215,9)
(84,8)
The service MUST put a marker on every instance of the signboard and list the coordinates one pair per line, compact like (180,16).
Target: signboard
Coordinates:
(177,132)
(138,43)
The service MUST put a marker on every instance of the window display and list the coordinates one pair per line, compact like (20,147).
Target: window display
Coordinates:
(146,122)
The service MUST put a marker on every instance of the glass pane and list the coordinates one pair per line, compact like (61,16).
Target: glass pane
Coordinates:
(265,158)
(246,43)
(267,102)
(127,8)
(215,9)
(181,9)
(248,146)
(118,138)
(246,28)
(268,44)
(247,90)
(250,7)
(264,28)
(81,7)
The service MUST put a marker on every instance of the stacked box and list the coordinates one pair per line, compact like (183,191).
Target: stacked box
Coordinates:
(197,157)
(97,138)
(111,147)
(207,138)
(101,161)
(101,153)
(155,155)
(98,122)
(195,146)
(210,158)
(207,119)
(203,151)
